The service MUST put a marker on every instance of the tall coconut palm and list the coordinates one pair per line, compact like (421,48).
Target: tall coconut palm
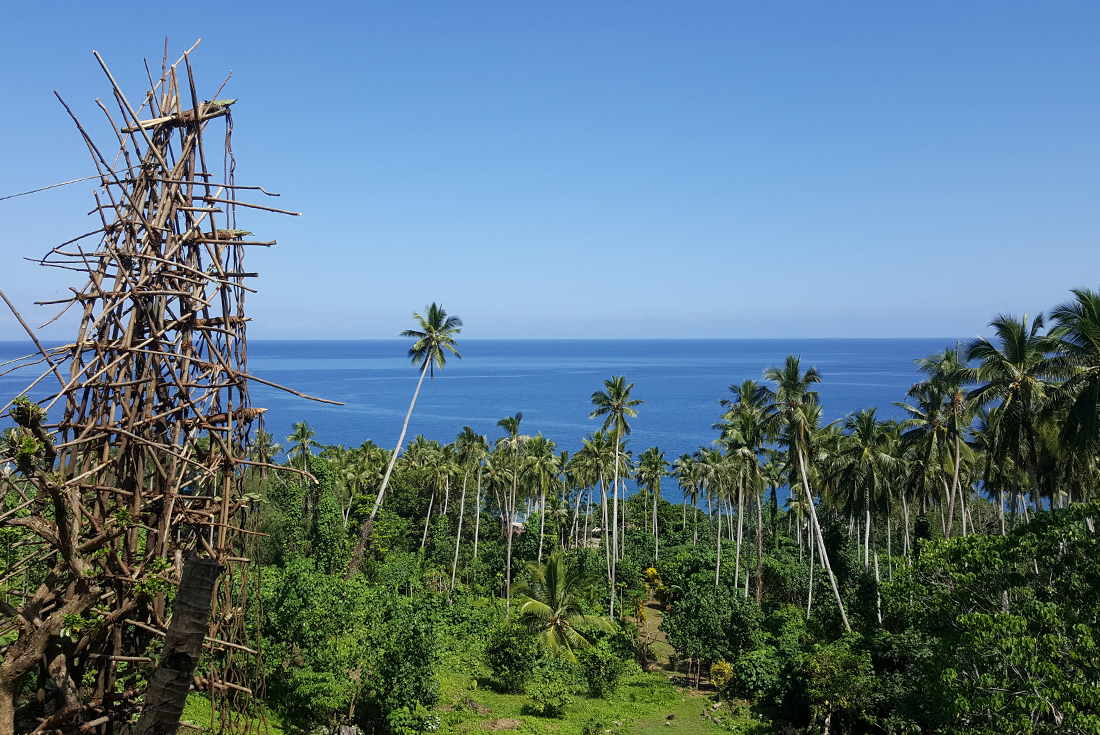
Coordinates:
(552,605)
(615,405)
(470,447)
(543,469)
(515,441)
(434,339)
(864,463)
(1077,334)
(790,402)
(652,466)
(1013,374)
(263,450)
(950,374)
(682,470)
(302,443)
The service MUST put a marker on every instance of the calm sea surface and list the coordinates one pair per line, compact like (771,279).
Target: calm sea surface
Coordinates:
(550,381)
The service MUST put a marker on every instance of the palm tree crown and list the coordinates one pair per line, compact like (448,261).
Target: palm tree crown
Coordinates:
(551,605)
(434,339)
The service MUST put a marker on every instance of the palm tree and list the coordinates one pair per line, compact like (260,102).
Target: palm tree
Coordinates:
(552,605)
(863,464)
(1077,331)
(543,468)
(682,470)
(614,403)
(470,447)
(1013,374)
(302,443)
(949,373)
(790,404)
(652,466)
(263,450)
(511,425)
(434,339)
(744,432)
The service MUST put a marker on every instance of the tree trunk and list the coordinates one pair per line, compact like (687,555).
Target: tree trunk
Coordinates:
(615,526)
(174,675)
(656,540)
(477,522)
(759,550)
(368,525)
(821,541)
(511,533)
(954,484)
(542,520)
(740,527)
(718,563)
(424,538)
(458,536)
(810,594)
(867,529)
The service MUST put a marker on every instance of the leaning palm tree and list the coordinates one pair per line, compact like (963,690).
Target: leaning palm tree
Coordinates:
(791,404)
(615,405)
(434,339)
(551,605)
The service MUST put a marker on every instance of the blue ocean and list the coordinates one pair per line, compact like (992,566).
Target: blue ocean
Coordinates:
(550,382)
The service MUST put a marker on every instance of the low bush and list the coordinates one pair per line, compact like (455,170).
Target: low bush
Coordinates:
(550,697)
(510,653)
(603,670)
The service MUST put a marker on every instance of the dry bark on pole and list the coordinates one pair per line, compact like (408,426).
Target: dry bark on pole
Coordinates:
(182,646)
(139,459)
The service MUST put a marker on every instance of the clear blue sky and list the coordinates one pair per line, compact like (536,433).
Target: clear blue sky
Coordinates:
(635,169)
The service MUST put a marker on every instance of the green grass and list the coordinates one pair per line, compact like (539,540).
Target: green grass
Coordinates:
(642,704)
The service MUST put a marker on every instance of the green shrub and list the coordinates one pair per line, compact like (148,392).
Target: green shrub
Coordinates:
(510,654)
(721,673)
(755,673)
(603,670)
(593,724)
(549,698)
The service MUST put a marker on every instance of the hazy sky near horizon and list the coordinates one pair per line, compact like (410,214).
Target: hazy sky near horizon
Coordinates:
(609,169)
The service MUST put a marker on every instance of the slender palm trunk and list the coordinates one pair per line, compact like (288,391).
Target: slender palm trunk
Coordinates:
(446,494)
(889,549)
(759,549)
(821,541)
(477,522)
(695,520)
(587,515)
(615,525)
(511,533)
(718,564)
(867,529)
(905,511)
(656,541)
(365,531)
(878,592)
(542,520)
(603,532)
(458,536)
(955,489)
(574,527)
(810,594)
(424,538)
(740,529)
(684,525)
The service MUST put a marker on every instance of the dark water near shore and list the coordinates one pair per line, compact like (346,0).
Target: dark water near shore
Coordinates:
(550,381)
